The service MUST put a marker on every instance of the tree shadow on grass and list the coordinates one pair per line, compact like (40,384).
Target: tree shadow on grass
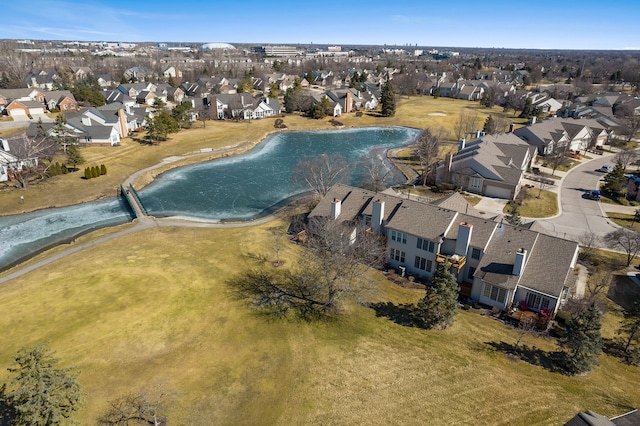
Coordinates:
(551,361)
(616,348)
(403,314)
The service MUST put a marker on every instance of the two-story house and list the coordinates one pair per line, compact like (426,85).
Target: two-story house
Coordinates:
(494,263)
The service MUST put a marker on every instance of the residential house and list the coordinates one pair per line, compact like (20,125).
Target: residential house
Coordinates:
(104,80)
(134,74)
(242,106)
(545,103)
(147,97)
(564,133)
(471,92)
(25,94)
(62,100)
(134,89)
(494,263)
(492,165)
(173,94)
(14,157)
(116,96)
(173,72)
(590,418)
(80,73)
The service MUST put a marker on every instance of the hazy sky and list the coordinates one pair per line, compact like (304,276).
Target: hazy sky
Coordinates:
(585,24)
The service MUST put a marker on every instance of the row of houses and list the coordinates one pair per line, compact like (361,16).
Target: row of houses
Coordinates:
(495,165)
(494,263)
(33,102)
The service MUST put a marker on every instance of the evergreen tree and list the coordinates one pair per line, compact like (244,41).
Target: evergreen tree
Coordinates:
(439,305)
(615,180)
(274,92)
(74,156)
(310,77)
(583,341)
(42,393)
(388,100)
(103,169)
(527,111)
(513,214)
(95,172)
(4,81)
(171,82)
(489,125)
(87,173)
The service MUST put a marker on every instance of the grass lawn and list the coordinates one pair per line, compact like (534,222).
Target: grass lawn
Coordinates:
(152,309)
(532,206)
(132,156)
(625,220)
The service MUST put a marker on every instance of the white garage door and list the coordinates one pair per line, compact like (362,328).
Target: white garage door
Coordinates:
(497,192)
(18,115)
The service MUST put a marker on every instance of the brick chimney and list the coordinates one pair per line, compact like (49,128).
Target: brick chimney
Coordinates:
(347,103)
(448,162)
(122,120)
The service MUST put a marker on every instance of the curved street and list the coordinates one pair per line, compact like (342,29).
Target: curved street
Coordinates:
(579,214)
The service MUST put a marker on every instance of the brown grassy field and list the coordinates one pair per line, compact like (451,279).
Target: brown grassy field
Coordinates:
(131,156)
(152,309)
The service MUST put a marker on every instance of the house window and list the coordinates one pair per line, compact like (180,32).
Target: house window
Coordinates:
(537,301)
(424,264)
(475,253)
(400,237)
(397,255)
(496,293)
(65,106)
(426,245)
(470,272)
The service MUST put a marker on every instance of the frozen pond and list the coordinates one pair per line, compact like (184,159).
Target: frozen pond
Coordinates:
(242,187)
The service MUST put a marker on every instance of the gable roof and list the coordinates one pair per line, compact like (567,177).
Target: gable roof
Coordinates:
(495,157)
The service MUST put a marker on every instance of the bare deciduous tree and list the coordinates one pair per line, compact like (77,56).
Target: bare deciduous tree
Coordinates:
(137,408)
(320,172)
(588,245)
(629,119)
(330,272)
(626,157)
(626,240)
(376,170)
(526,326)
(597,283)
(30,151)
(427,152)
(467,122)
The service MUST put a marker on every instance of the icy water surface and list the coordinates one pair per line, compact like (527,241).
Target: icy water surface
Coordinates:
(242,187)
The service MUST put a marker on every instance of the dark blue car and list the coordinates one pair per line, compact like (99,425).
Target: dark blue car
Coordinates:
(595,195)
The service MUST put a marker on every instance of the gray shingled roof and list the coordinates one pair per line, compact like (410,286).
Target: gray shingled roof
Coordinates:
(480,233)
(496,265)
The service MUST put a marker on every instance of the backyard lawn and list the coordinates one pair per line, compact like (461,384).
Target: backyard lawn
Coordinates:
(151,309)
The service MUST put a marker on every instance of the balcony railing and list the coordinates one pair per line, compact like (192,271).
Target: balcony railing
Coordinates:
(455,260)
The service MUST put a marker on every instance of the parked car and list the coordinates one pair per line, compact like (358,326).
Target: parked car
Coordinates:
(595,195)
(605,168)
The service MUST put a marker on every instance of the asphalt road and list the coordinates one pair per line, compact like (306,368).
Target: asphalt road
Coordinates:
(579,214)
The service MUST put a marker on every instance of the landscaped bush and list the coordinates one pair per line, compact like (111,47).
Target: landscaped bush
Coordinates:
(359,114)
(558,332)
(95,171)
(477,306)
(563,317)
(336,123)
(445,186)
(279,124)
(466,307)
